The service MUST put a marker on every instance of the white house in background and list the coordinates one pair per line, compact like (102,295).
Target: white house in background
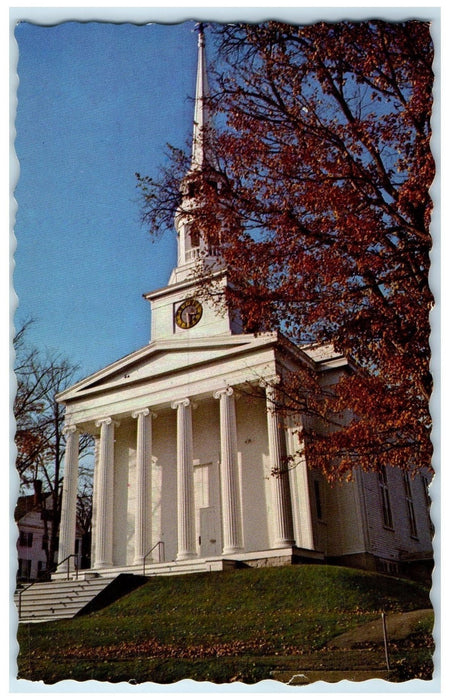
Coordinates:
(33,517)
(185,457)
(31,542)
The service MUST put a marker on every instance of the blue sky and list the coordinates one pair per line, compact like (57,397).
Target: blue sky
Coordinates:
(97,102)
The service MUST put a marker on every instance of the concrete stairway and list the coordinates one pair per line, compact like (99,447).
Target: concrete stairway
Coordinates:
(56,600)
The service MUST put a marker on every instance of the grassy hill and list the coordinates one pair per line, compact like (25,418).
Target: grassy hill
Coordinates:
(240,625)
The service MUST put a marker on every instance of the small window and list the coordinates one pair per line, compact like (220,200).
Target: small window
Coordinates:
(25,569)
(388,567)
(318,499)
(385,500)
(26,539)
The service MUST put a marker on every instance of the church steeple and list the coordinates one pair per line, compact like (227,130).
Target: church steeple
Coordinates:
(177,310)
(193,244)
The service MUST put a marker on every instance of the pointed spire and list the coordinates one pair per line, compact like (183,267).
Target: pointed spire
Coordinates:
(193,244)
(202,118)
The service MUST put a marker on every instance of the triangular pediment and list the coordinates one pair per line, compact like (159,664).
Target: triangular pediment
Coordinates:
(165,357)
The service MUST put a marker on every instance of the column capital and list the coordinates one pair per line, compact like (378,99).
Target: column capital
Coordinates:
(270,382)
(181,402)
(69,429)
(226,391)
(107,421)
(143,412)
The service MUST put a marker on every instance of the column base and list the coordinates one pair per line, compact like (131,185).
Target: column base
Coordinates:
(232,550)
(183,556)
(103,565)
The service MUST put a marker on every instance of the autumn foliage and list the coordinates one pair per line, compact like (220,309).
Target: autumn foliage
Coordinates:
(324,220)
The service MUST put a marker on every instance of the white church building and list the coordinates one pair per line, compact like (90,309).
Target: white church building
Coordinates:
(185,455)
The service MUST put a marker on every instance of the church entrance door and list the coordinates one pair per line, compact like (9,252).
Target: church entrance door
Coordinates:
(209,535)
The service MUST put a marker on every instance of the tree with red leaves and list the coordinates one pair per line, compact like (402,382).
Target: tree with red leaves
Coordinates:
(325,221)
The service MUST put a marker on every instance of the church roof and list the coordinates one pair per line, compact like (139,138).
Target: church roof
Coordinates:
(322,353)
(164,357)
(167,357)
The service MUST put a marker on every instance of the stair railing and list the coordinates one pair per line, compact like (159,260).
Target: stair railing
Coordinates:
(55,566)
(67,559)
(160,546)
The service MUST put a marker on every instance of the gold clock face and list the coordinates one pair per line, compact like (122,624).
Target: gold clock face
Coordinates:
(188,313)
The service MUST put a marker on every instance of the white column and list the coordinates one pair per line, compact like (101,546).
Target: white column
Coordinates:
(281,493)
(185,481)
(299,481)
(143,511)
(231,506)
(105,495)
(67,526)
(94,499)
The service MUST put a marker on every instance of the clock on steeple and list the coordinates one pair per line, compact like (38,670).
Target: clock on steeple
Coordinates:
(188,313)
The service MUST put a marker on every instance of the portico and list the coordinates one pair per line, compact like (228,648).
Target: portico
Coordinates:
(195,468)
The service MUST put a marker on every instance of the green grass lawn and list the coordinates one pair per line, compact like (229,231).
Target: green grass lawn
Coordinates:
(224,626)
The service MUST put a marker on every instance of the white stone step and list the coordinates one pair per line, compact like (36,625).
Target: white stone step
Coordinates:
(271,557)
(172,568)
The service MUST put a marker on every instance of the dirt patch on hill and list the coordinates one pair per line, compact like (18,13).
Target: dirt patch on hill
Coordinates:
(399,626)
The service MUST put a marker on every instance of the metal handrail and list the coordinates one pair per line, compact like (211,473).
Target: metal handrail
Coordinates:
(160,546)
(68,558)
(53,568)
